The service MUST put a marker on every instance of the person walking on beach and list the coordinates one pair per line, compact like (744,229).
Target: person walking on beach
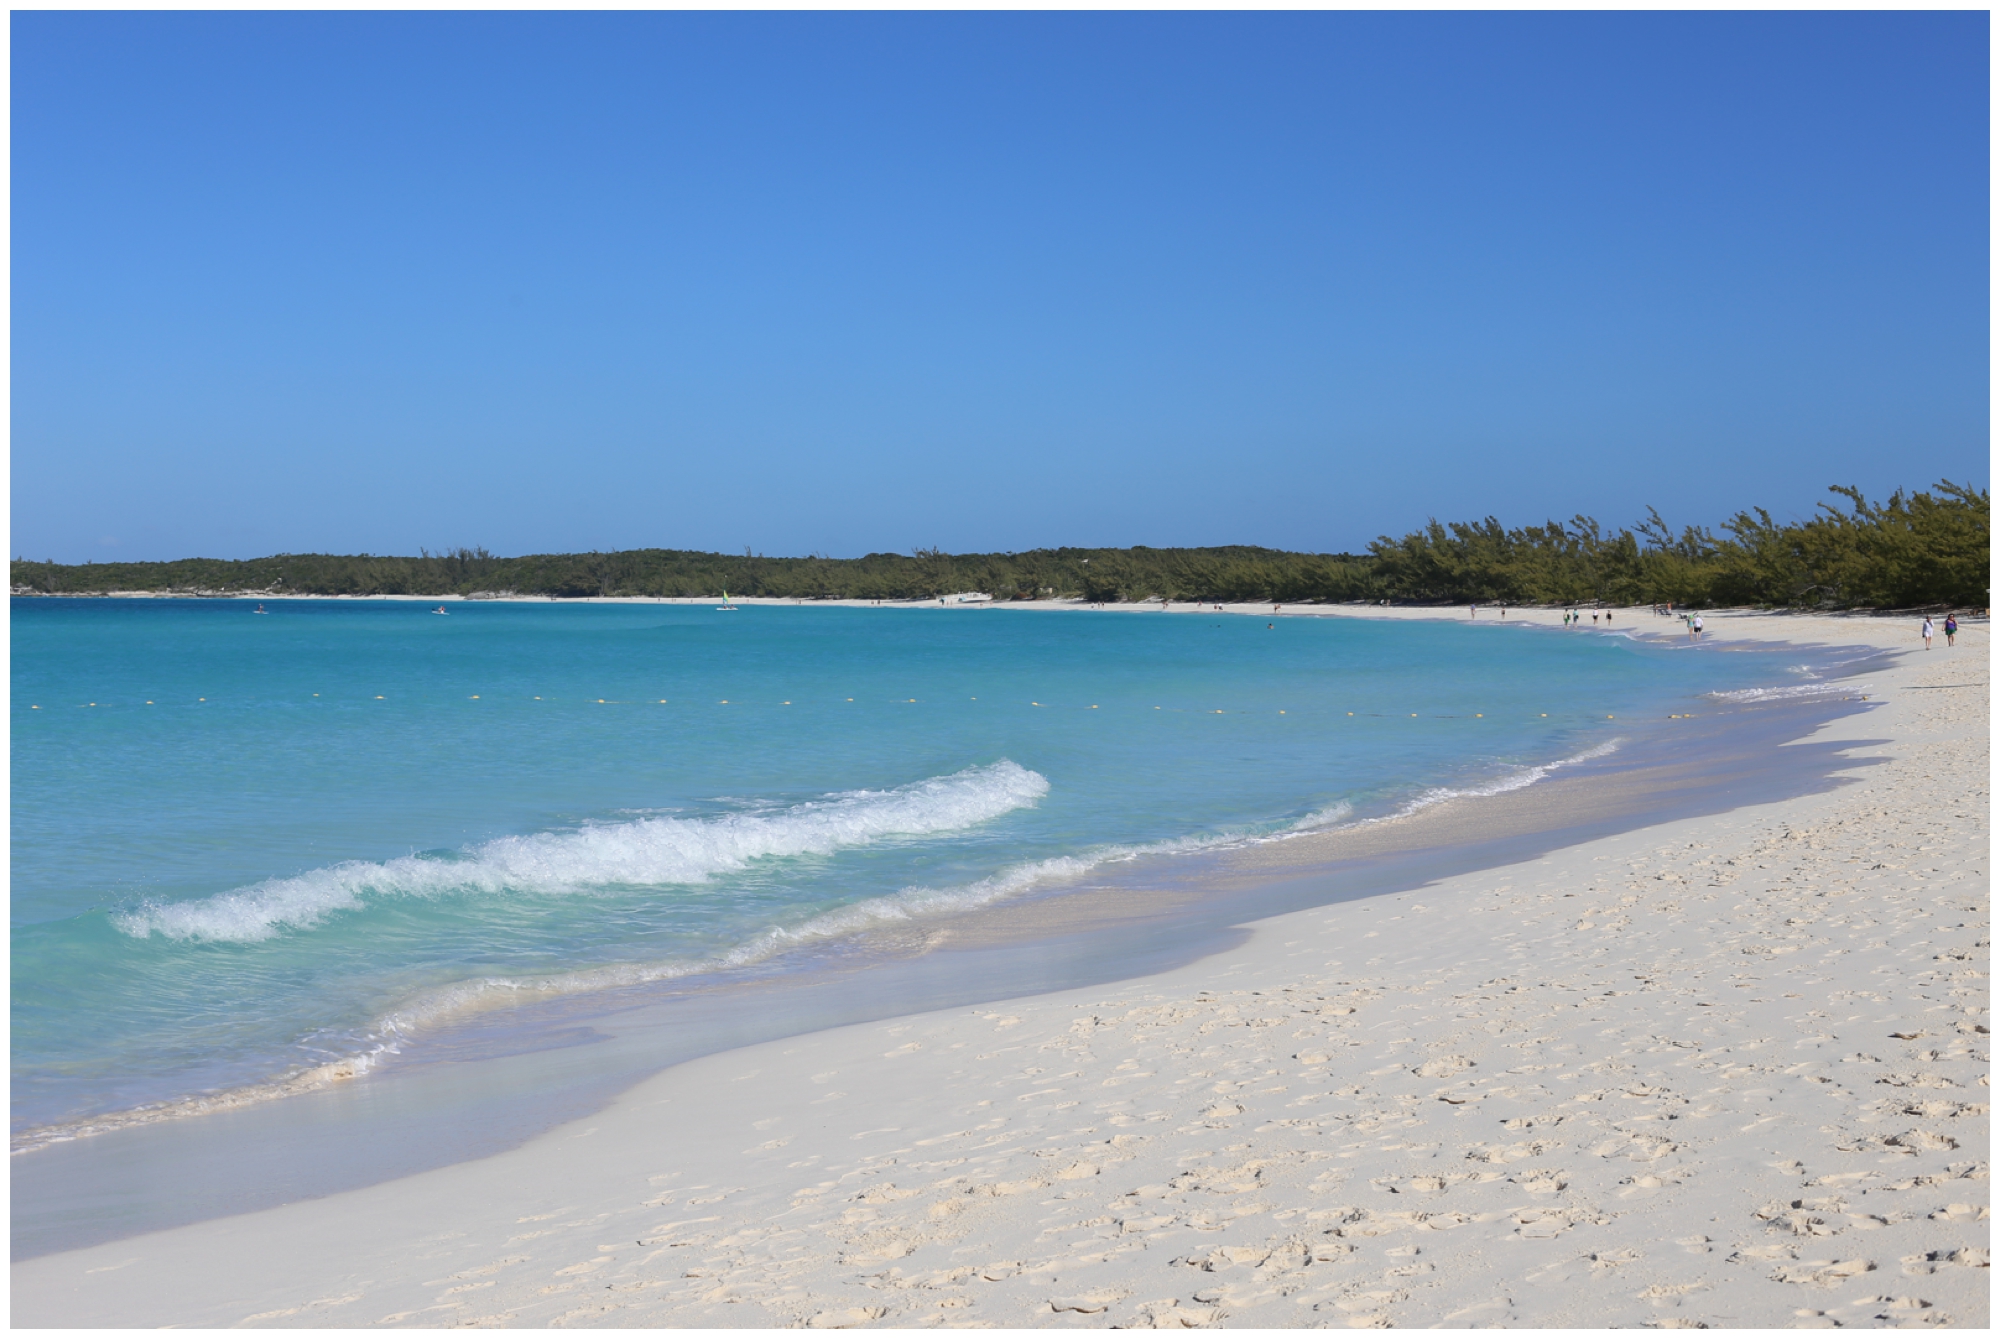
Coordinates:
(1951,629)
(1929,632)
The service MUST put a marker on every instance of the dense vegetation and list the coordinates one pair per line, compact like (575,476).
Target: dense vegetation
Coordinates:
(1927,548)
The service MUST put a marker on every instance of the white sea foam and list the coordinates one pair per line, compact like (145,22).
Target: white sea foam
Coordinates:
(463,998)
(1779,693)
(1515,780)
(646,852)
(202,1104)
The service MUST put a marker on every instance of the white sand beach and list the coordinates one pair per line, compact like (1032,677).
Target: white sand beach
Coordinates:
(1723,1072)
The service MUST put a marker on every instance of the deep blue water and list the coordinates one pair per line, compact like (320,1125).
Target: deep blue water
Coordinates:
(245,846)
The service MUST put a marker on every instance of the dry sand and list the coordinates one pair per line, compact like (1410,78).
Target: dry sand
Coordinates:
(1728,1072)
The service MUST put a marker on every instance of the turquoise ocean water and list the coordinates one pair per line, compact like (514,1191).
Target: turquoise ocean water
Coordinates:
(247,846)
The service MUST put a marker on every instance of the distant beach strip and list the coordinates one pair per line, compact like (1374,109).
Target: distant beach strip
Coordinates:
(1923,547)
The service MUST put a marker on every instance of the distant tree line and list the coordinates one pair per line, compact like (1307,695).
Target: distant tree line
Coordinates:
(1919,549)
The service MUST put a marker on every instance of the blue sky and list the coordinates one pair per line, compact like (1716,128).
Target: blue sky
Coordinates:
(836,283)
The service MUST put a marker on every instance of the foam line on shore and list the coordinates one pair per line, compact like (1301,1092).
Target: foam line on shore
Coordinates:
(1792,691)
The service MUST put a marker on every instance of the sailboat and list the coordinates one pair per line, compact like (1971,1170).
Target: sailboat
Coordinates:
(725,607)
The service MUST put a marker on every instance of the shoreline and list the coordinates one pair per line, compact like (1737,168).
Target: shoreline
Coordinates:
(343,1068)
(1435,826)
(1309,851)
(40,1279)
(1513,613)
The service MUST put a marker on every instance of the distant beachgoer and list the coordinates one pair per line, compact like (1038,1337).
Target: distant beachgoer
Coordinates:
(1929,632)
(1951,629)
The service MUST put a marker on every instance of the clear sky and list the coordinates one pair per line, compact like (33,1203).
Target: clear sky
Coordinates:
(838,283)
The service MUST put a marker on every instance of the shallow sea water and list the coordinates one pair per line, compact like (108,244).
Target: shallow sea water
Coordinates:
(245,846)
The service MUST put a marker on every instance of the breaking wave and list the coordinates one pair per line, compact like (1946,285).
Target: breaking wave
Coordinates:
(646,852)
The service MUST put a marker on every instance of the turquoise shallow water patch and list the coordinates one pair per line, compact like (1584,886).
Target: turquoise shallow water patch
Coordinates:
(249,845)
